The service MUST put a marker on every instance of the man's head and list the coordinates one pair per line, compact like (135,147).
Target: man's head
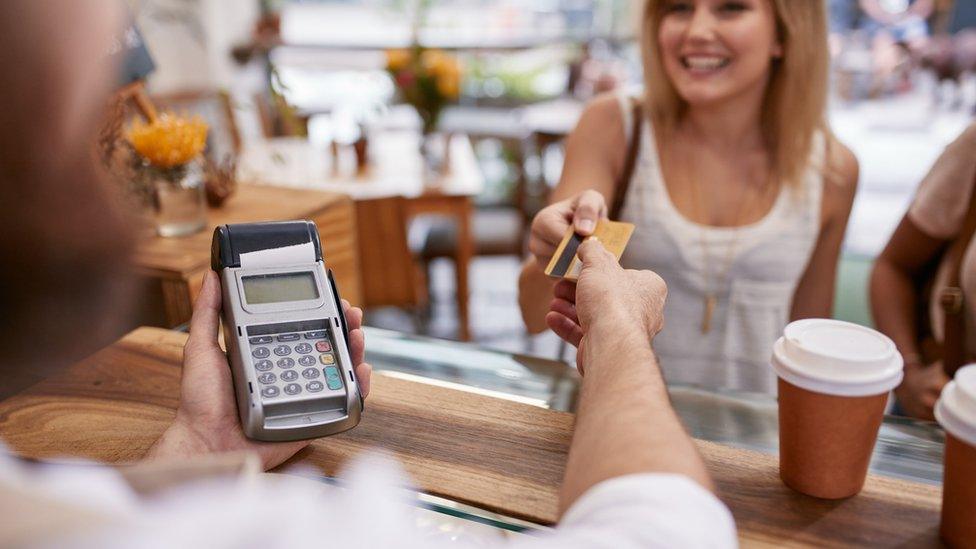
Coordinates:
(63,243)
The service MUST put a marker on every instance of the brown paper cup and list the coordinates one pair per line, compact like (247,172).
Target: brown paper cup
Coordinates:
(958,527)
(825,441)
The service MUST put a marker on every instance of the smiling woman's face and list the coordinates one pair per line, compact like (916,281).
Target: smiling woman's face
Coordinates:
(716,50)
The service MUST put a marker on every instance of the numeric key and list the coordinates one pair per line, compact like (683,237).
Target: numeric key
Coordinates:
(282,350)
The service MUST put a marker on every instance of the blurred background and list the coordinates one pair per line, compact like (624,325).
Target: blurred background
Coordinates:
(318,94)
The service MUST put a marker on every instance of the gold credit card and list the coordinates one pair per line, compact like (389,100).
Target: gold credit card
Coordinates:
(614,236)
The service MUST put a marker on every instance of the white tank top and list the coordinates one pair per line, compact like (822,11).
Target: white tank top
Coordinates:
(755,296)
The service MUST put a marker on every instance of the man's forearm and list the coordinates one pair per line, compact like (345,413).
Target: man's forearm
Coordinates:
(625,423)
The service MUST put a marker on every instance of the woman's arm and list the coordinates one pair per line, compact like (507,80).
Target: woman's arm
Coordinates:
(814,296)
(935,217)
(892,288)
(594,158)
(893,306)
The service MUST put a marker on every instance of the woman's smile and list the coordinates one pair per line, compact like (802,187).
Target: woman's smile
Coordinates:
(703,64)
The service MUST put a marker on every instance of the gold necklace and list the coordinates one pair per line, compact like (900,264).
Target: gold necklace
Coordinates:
(709,297)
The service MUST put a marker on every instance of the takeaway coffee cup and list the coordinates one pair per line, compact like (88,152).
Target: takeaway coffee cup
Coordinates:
(956,412)
(834,379)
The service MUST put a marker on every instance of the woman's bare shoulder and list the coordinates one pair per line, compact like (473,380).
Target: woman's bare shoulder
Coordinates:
(843,169)
(603,119)
(605,105)
(840,179)
(599,134)
(967,138)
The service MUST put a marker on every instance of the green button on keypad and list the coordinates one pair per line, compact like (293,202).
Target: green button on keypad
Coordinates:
(332,378)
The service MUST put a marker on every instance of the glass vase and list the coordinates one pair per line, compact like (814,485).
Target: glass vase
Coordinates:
(435,156)
(178,199)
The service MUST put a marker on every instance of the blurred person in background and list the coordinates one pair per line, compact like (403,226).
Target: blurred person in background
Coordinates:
(899,33)
(934,221)
(842,16)
(739,192)
(625,485)
(952,58)
(894,21)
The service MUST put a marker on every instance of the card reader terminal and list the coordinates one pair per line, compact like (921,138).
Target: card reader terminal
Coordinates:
(285,333)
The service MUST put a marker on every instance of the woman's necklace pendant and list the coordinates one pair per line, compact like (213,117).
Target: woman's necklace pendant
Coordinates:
(706,325)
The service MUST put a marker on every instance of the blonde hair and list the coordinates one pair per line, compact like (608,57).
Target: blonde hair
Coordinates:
(793,110)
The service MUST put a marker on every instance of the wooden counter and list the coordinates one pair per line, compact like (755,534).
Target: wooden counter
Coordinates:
(178,264)
(495,454)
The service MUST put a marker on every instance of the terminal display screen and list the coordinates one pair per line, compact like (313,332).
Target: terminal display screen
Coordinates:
(278,288)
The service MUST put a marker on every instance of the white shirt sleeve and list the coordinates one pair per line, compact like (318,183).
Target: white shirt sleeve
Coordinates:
(644,510)
(647,510)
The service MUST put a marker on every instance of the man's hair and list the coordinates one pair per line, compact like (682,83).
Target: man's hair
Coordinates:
(63,242)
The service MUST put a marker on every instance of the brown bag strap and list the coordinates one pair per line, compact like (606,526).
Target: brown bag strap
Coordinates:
(954,354)
(623,183)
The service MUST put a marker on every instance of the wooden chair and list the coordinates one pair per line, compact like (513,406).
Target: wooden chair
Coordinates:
(497,230)
(382,232)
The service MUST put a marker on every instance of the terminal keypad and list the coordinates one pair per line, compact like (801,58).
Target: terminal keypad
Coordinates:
(273,363)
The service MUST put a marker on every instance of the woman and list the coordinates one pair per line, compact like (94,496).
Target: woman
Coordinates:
(935,218)
(739,193)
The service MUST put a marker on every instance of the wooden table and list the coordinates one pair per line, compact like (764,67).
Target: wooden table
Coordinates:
(176,265)
(496,454)
(389,194)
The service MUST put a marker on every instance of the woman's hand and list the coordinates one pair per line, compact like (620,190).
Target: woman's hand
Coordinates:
(550,224)
(921,388)
(625,301)
(207,420)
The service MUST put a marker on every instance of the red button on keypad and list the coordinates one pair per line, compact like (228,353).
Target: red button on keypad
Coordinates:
(323,347)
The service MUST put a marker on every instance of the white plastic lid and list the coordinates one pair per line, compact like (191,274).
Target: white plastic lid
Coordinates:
(837,358)
(956,408)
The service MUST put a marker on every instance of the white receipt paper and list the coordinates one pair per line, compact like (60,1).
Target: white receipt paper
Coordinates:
(273,257)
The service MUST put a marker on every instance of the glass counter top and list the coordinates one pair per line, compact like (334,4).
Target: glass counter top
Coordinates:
(906,448)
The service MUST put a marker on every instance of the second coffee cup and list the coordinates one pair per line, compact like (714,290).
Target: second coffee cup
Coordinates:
(956,412)
(834,379)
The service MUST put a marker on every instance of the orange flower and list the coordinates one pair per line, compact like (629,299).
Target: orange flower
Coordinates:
(449,85)
(397,59)
(170,140)
(445,71)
